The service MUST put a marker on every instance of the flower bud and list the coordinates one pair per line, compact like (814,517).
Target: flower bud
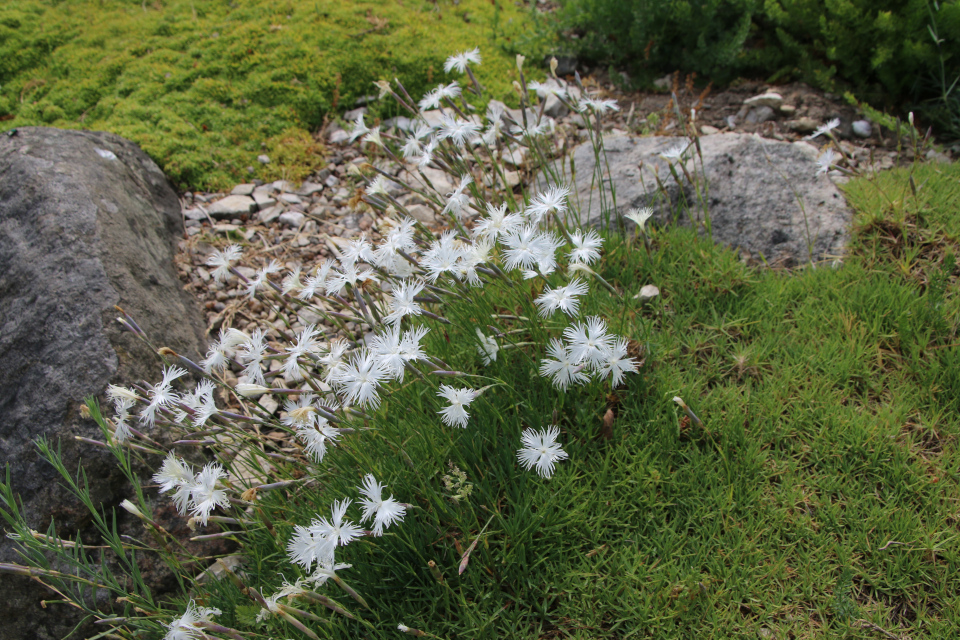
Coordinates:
(413,632)
(553,66)
(132,508)
(252,391)
(384,88)
(520,60)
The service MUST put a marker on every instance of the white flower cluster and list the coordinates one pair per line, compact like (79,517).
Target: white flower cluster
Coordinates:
(318,542)
(391,286)
(189,626)
(198,493)
(590,349)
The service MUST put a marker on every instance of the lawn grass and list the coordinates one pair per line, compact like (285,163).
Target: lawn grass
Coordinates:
(818,500)
(206,86)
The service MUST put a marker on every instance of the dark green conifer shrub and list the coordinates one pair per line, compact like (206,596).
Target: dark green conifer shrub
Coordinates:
(893,53)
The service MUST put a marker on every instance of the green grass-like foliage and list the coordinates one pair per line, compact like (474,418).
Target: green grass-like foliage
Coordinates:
(205,86)
(817,499)
(830,401)
(887,52)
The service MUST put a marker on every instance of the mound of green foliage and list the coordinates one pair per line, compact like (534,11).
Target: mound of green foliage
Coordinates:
(893,52)
(205,86)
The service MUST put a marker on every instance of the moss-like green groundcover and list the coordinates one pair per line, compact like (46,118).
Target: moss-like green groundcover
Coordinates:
(205,86)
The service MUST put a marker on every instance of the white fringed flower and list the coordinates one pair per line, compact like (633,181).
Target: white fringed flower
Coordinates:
(460,61)
(826,161)
(488,348)
(223,260)
(640,217)
(562,298)
(456,414)
(360,379)
(316,436)
(457,130)
(586,247)
(458,200)
(434,99)
(204,494)
(824,129)
(402,303)
(161,394)
(359,128)
(540,450)
(185,627)
(383,512)
(615,362)
(589,343)
(563,368)
(553,200)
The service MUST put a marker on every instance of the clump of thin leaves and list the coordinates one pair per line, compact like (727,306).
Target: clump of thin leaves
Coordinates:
(410,292)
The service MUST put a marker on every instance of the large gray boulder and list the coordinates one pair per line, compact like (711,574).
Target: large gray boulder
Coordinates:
(763,196)
(87,221)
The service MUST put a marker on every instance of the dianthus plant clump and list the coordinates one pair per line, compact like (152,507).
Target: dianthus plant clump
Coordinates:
(332,382)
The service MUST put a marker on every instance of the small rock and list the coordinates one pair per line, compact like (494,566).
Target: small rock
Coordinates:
(647,292)
(291,219)
(194,214)
(554,107)
(338,137)
(759,115)
(440,180)
(291,198)
(331,181)
(247,272)
(788,109)
(768,99)
(231,206)
(707,130)
(664,82)
(432,117)
(512,178)
(243,190)
(268,215)
(517,116)
(262,159)
(803,125)
(422,212)
(263,199)
(402,123)
(862,128)
(307,189)
(268,402)
(353,114)
(731,122)
(514,156)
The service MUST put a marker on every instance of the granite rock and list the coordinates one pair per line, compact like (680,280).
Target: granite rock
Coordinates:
(80,232)
(752,188)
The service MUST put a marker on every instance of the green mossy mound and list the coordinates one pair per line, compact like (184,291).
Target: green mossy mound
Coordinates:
(205,86)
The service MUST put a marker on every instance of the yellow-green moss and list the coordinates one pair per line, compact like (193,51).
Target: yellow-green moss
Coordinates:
(204,86)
